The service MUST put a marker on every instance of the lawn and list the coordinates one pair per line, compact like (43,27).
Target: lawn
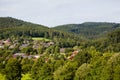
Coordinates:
(41,39)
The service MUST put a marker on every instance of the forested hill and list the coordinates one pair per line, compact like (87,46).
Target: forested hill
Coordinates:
(14,27)
(7,22)
(10,27)
(34,52)
(89,29)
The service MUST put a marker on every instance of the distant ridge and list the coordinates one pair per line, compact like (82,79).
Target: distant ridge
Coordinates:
(13,22)
(89,29)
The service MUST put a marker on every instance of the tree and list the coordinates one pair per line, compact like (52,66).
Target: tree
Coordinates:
(114,37)
(2,77)
(40,50)
(82,57)
(82,72)
(26,65)
(46,72)
(26,77)
(46,35)
(57,49)
(111,70)
(13,69)
(97,64)
(36,67)
(28,50)
(66,72)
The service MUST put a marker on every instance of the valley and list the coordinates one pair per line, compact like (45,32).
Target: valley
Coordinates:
(86,51)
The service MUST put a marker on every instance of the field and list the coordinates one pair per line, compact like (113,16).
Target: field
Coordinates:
(41,39)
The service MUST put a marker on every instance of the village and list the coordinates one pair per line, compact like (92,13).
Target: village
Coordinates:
(11,44)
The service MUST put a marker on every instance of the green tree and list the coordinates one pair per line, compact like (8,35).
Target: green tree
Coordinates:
(40,50)
(82,57)
(57,49)
(26,65)
(82,72)
(66,72)
(97,65)
(111,70)
(2,77)
(13,69)
(46,72)
(36,67)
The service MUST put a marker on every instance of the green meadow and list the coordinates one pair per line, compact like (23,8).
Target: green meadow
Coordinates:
(40,39)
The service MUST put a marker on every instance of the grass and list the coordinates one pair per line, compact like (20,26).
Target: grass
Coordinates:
(41,39)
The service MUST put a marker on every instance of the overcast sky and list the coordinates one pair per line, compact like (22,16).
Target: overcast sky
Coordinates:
(57,12)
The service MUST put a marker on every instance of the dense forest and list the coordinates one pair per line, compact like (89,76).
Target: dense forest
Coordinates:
(88,51)
(89,30)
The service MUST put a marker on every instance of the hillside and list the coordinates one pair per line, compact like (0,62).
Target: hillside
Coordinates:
(36,52)
(10,27)
(7,22)
(89,29)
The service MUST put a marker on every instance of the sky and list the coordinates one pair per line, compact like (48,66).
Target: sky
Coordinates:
(57,12)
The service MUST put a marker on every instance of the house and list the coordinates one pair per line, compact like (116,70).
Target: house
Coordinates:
(1,44)
(30,57)
(50,43)
(12,46)
(7,42)
(23,55)
(62,50)
(47,59)
(36,56)
(36,46)
(74,53)
(24,46)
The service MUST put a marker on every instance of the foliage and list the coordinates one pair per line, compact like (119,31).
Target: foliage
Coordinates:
(2,77)
(82,72)
(89,30)
(13,69)
(26,77)
(66,72)
(70,57)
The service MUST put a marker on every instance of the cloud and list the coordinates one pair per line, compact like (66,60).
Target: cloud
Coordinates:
(54,12)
